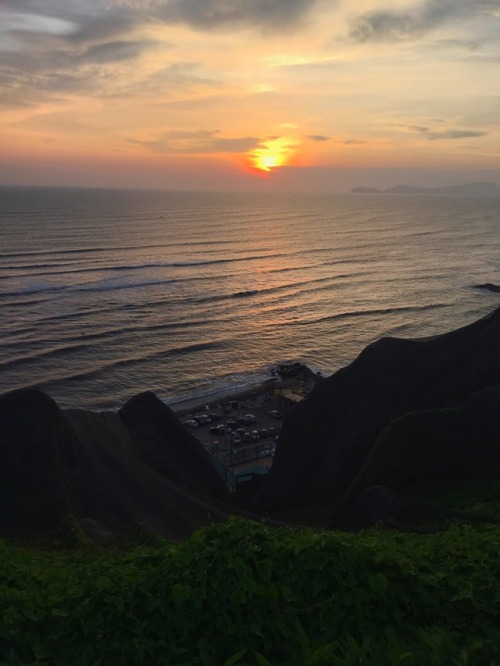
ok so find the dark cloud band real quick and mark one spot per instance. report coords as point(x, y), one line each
point(393, 25)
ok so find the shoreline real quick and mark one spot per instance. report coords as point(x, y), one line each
point(296, 378)
point(219, 398)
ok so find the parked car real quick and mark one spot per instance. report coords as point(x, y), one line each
point(202, 419)
point(247, 419)
point(275, 414)
point(236, 439)
point(264, 433)
point(192, 423)
point(255, 435)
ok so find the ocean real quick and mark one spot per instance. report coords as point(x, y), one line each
point(107, 293)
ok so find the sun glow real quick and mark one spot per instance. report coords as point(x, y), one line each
point(273, 153)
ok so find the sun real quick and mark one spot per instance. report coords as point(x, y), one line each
point(267, 161)
point(273, 153)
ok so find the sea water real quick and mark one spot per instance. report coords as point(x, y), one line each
point(106, 293)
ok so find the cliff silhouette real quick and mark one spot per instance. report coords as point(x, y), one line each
point(327, 438)
point(406, 421)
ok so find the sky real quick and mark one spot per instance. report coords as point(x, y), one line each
point(308, 95)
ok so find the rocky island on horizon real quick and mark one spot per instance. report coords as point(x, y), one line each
point(479, 189)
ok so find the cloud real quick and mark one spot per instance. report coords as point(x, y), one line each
point(44, 56)
point(197, 142)
point(103, 19)
point(468, 45)
point(454, 134)
point(418, 128)
point(48, 47)
point(36, 74)
point(273, 15)
point(105, 27)
point(318, 137)
point(70, 21)
point(389, 25)
point(27, 22)
point(115, 51)
point(446, 134)
point(382, 26)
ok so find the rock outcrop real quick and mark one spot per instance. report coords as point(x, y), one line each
point(36, 447)
point(327, 437)
point(434, 452)
point(488, 286)
point(115, 470)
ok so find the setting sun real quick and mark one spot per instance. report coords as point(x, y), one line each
point(265, 95)
point(273, 153)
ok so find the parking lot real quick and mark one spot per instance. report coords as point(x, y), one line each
point(237, 430)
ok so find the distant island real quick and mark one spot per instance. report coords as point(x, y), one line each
point(480, 189)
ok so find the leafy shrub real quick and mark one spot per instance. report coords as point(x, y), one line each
point(241, 591)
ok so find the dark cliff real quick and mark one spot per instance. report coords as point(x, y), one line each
point(326, 438)
point(117, 471)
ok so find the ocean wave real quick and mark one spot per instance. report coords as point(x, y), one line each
point(367, 313)
point(43, 356)
point(297, 287)
point(34, 289)
point(31, 271)
point(89, 287)
point(125, 285)
point(80, 250)
point(24, 303)
point(105, 368)
point(86, 340)
point(83, 269)
point(244, 293)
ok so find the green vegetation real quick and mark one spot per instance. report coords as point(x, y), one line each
point(416, 454)
point(242, 593)
point(479, 500)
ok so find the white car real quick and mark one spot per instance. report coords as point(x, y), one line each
point(202, 419)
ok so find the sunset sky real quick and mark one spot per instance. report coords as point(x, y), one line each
point(249, 94)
